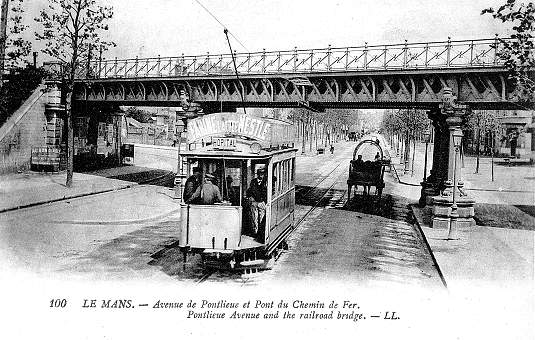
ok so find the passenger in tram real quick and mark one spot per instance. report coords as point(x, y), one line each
point(192, 183)
point(256, 198)
point(230, 193)
point(206, 194)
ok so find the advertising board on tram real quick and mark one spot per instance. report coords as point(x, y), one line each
point(225, 127)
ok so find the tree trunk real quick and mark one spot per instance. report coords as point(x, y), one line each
point(70, 135)
point(477, 149)
point(3, 37)
point(492, 157)
point(316, 134)
point(407, 151)
point(303, 137)
point(413, 154)
point(309, 130)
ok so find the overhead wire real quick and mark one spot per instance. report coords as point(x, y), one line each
point(222, 25)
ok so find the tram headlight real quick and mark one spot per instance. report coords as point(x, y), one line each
point(255, 148)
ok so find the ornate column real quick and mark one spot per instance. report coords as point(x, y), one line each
point(453, 114)
point(434, 183)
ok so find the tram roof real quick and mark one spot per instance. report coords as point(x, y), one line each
point(217, 153)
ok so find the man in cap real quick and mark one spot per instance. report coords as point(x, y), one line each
point(257, 197)
point(207, 193)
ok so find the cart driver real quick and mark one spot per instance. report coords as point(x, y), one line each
point(359, 160)
point(256, 197)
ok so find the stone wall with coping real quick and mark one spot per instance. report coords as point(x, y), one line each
point(25, 129)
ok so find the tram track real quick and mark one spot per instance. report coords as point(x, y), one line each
point(310, 191)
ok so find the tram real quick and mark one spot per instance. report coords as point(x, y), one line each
point(231, 151)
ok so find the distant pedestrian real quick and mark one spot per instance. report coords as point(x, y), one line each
point(332, 149)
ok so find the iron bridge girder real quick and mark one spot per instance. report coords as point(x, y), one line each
point(477, 87)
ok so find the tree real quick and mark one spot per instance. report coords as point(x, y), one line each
point(405, 124)
point(13, 47)
point(483, 122)
point(71, 30)
point(518, 53)
point(141, 116)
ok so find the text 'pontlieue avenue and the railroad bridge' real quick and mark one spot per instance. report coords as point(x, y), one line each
point(256, 309)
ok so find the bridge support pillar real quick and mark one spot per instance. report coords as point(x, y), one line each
point(434, 183)
point(446, 166)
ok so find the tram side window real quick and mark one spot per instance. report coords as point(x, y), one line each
point(274, 191)
point(292, 172)
point(279, 179)
point(231, 185)
point(282, 178)
point(286, 177)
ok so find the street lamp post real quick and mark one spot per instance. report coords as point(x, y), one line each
point(427, 134)
point(422, 201)
point(454, 215)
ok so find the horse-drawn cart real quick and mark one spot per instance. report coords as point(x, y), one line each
point(367, 173)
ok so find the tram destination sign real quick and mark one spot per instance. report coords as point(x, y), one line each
point(233, 124)
point(224, 143)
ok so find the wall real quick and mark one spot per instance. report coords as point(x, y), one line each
point(25, 129)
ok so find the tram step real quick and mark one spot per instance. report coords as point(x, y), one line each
point(220, 251)
point(251, 263)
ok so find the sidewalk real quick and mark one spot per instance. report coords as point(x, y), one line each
point(482, 256)
point(511, 185)
point(33, 188)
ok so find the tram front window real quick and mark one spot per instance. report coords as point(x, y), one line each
point(234, 183)
point(213, 182)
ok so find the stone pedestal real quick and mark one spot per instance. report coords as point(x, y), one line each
point(442, 208)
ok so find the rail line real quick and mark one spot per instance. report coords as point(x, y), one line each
point(208, 274)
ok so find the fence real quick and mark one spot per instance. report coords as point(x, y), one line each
point(429, 55)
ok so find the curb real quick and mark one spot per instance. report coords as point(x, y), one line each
point(422, 235)
point(400, 181)
point(29, 205)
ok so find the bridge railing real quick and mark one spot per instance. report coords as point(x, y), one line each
point(430, 55)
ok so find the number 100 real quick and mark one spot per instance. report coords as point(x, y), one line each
point(58, 303)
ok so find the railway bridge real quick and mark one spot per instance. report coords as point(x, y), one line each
point(446, 78)
point(386, 76)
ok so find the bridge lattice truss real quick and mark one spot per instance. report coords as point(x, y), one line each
point(367, 76)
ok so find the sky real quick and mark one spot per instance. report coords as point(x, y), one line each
point(148, 28)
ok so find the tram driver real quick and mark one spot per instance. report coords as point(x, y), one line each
point(256, 196)
point(192, 183)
